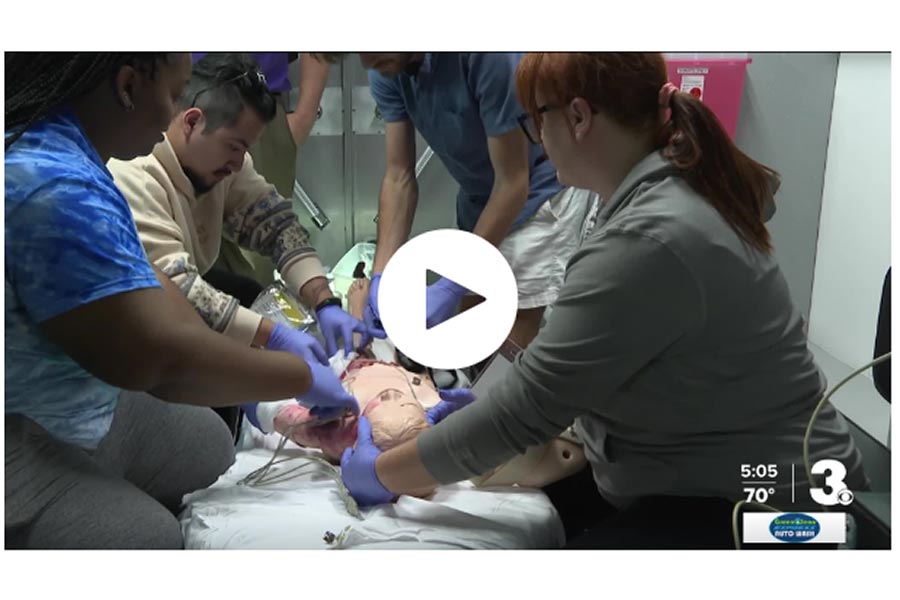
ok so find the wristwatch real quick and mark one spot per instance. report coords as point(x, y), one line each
point(328, 302)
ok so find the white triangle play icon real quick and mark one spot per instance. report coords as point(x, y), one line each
point(465, 338)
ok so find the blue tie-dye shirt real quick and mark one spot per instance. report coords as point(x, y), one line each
point(70, 240)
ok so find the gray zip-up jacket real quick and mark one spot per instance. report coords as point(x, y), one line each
point(676, 349)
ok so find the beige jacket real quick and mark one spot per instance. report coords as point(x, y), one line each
point(182, 232)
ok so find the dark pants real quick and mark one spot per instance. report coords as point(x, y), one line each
point(124, 494)
point(651, 523)
point(245, 290)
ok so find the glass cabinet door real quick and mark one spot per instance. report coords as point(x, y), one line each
point(341, 165)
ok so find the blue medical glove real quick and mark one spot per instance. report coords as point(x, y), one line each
point(326, 397)
point(337, 324)
point(358, 469)
point(441, 298)
point(288, 339)
point(451, 401)
point(370, 312)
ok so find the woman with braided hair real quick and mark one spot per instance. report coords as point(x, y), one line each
point(40, 83)
point(109, 371)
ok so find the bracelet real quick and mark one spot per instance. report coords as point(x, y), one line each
point(328, 302)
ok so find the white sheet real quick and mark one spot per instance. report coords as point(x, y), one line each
point(297, 513)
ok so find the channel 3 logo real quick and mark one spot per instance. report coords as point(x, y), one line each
point(838, 493)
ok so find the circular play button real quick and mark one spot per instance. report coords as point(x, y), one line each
point(466, 338)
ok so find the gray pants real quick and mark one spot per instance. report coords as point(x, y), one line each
point(124, 494)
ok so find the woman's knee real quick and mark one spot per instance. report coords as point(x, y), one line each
point(150, 527)
point(210, 449)
point(155, 529)
point(101, 512)
point(165, 535)
point(219, 441)
point(199, 436)
point(186, 449)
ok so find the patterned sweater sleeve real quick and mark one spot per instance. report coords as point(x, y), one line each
point(258, 219)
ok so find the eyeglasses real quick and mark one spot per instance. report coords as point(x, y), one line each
point(251, 75)
point(532, 131)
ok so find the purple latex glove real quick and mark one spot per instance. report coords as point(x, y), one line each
point(291, 340)
point(441, 298)
point(358, 469)
point(451, 401)
point(326, 397)
point(370, 314)
point(337, 324)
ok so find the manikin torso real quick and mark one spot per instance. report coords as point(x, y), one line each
point(392, 398)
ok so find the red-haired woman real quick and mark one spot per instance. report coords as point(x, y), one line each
point(674, 346)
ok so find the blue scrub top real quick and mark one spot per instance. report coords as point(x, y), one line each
point(456, 101)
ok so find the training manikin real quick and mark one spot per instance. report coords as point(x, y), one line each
point(394, 400)
point(391, 397)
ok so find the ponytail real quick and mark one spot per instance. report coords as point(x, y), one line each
point(738, 187)
point(632, 89)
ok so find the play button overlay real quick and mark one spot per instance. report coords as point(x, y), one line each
point(471, 300)
point(466, 338)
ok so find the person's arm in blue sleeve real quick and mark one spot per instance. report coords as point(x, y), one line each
point(491, 81)
point(75, 263)
point(399, 192)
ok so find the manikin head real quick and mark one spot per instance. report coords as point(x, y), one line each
point(395, 417)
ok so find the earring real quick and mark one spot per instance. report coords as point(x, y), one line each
point(127, 103)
